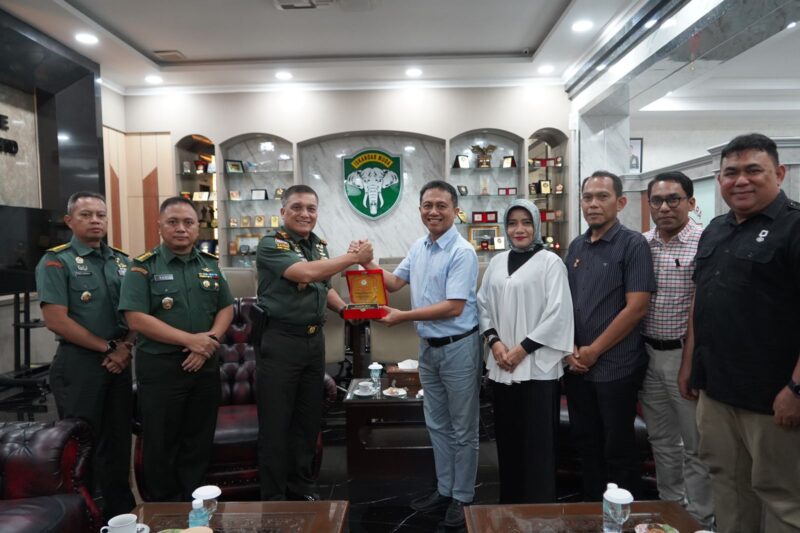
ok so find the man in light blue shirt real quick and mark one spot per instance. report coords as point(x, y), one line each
point(442, 270)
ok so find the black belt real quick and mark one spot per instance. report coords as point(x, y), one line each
point(295, 329)
point(671, 344)
point(438, 342)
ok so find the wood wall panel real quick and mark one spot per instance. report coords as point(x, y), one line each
point(150, 209)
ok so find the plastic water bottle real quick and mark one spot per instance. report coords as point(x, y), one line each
point(616, 508)
point(198, 515)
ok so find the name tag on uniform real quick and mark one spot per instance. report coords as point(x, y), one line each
point(82, 273)
point(163, 277)
point(207, 275)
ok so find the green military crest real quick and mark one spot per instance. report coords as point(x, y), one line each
point(373, 182)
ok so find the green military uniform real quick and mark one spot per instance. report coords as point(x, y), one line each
point(178, 408)
point(87, 282)
point(290, 364)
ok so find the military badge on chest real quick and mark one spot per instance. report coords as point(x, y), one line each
point(321, 250)
point(122, 268)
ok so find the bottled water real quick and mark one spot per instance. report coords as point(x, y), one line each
point(198, 515)
point(616, 508)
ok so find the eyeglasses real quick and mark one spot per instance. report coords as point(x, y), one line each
point(672, 201)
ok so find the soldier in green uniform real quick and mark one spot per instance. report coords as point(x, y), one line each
point(293, 288)
point(177, 299)
point(78, 285)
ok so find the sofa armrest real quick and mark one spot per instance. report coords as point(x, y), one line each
point(41, 459)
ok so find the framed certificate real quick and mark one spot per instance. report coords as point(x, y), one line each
point(233, 222)
point(258, 194)
point(234, 195)
point(200, 196)
point(249, 239)
point(511, 191)
point(278, 193)
point(509, 162)
point(499, 243)
point(502, 191)
point(491, 216)
point(544, 186)
point(246, 221)
point(478, 217)
point(274, 221)
point(533, 188)
point(259, 221)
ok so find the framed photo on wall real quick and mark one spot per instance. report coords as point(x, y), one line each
point(637, 145)
point(258, 194)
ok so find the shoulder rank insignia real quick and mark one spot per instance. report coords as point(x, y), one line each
point(145, 256)
point(323, 242)
point(59, 248)
point(282, 245)
point(56, 264)
point(119, 251)
point(140, 270)
point(284, 235)
point(210, 255)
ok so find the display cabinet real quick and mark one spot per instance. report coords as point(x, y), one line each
point(487, 169)
point(197, 181)
point(547, 185)
point(256, 168)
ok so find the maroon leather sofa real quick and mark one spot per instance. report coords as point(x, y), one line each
point(234, 459)
point(44, 477)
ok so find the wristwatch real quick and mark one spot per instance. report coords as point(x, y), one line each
point(794, 387)
point(111, 347)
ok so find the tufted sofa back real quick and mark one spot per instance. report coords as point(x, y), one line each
point(237, 357)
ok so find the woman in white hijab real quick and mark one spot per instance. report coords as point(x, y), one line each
point(525, 314)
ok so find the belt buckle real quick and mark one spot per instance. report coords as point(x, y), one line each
point(310, 330)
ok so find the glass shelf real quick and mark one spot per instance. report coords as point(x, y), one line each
point(229, 201)
point(280, 172)
point(490, 196)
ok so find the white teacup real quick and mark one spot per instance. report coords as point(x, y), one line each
point(122, 523)
point(365, 387)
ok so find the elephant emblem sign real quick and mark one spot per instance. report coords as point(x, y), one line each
point(372, 182)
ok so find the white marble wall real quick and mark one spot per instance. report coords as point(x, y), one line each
point(338, 222)
point(19, 173)
point(604, 145)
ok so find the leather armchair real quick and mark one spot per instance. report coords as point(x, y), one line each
point(44, 477)
point(234, 459)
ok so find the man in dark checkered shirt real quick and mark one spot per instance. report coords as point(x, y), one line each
point(611, 278)
point(671, 421)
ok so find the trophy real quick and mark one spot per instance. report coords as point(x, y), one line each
point(484, 154)
point(367, 294)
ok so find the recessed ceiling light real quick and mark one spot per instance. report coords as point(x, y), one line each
point(791, 25)
point(650, 23)
point(63, 137)
point(582, 26)
point(600, 67)
point(410, 148)
point(152, 79)
point(86, 38)
point(413, 72)
point(546, 69)
point(284, 75)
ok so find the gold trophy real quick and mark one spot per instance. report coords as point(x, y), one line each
point(484, 154)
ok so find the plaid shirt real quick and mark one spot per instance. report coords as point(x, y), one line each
point(674, 266)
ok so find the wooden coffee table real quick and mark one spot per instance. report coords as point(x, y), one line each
point(571, 517)
point(252, 517)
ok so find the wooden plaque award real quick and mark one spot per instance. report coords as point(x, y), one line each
point(367, 295)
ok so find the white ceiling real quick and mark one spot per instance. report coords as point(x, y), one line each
point(763, 79)
point(235, 45)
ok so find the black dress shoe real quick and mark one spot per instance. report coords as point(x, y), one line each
point(432, 501)
point(454, 517)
